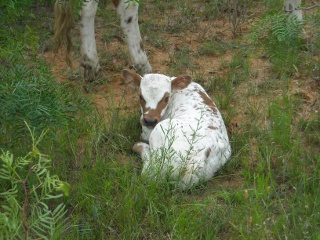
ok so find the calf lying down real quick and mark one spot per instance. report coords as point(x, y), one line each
point(184, 136)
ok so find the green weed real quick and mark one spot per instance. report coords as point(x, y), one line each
point(211, 49)
point(281, 119)
point(30, 94)
point(280, 36)
point(29, 193)
point(181, 61)
point(310, 130)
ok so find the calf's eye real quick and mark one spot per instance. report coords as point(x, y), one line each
point(141, 98)
point(166, 99)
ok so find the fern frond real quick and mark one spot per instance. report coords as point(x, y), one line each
point(11, 192)
point(10, 217)
point(279, 35)
point(34, 219)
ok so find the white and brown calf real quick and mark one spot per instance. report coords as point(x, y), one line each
point(186, 137)
point(128, 13)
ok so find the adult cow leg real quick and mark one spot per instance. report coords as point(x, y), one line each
point(292, 6)
point(90, 60)
point(128, 13)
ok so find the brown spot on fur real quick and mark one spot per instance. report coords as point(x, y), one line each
point(143, 102)
point(208, 151)
point(181, 82)
point(155, 113)
point(116, 2)
point(212, 127)
point(208, 101)
point(132, 77)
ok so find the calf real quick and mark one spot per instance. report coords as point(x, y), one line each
point(183, 133)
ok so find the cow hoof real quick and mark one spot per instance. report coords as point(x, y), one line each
point(89, 68)
point(89, 74)
point(139, 147)
point(142, 68)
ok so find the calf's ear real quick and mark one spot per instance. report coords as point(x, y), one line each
point(131, 77)
point(181, 82)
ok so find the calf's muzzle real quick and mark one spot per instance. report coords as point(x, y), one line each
point(150, 122)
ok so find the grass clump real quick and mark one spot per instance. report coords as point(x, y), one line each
point(211, 49)
point(181, 61)
point(280, 37)
point(281, 117)
point(30, 94)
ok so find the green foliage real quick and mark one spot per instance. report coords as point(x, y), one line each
point(155, 39)
point(181, 61)
point(29, 195)
point(311, 130)
point(18, 23)
point(273, 6)
point(211, 49)
point(281, 117)
point(29, 93)
point(239, 68)
point(122, 128)
point(280, 36)
point(14, 9)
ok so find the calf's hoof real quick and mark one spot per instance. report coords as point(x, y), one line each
point(139, 147)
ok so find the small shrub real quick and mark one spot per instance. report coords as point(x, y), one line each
point(237, 13)
point(29, 93)
point(28, 197)
point(280, 37)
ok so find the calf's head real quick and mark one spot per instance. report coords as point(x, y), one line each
point(154, 93)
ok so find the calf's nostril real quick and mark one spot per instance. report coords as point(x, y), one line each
point(150, 121)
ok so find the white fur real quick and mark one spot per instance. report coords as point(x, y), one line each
point(153, 89)
point(190, 143)
point(294, 9)
point(132, 34)
point(88, 41)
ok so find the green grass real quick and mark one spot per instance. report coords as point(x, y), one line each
point(211, 49)
point(181, 61)
point(268, 190)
